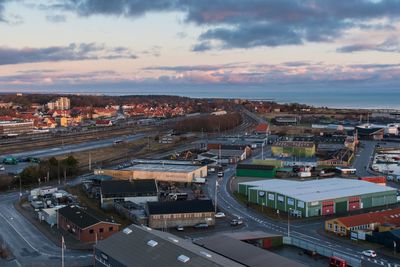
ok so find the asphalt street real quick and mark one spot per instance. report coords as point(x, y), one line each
point(29, 246)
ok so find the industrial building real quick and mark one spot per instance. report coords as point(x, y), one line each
point(180, 213)
point(255, 170)
point(138, 192)
point(293, 148)
point(317, 197)
point(143, 246)
point(368, 132)
point(84, 225)
point(165, 172)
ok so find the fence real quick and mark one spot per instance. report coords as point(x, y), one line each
point(322, 250)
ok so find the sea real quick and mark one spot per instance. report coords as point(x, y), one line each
point(357, 98)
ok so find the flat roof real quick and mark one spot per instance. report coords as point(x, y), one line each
point(319, 190)
point(248, 235)
point(131, 248)
point(163, 167)
point(245, 253)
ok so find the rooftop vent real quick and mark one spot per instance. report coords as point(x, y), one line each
point(127, 231)
point(208, 255)
point(183, 258)
point(152, 243)
point(173, 239)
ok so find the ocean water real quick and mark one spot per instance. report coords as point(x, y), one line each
point(334, 97)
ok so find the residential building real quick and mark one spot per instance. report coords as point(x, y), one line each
point(84, 225)
point(180, 213)
point(317, 197)
point(136, 191)
point(62, 103)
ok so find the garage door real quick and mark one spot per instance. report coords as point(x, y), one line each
point(341, 207)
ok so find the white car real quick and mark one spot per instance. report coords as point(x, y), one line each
point(369, 253)
point(2, 168)
point(179, 228)
point(219, 215)
point(220, 174)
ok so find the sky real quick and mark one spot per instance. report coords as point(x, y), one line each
point(156, 45)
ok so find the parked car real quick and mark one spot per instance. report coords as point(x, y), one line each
point(179, 228)
point(236, 222)
point(201, 225)
point(2, 168)
point(220, 215)
point(220, 174)
point(389, 178)
point(369, 253)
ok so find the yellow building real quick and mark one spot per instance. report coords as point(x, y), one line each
point(180, 173)
point(293, 148)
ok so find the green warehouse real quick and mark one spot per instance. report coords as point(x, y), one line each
point(317, 197)
point(253, 170)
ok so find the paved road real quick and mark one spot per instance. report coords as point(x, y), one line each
point(363, 158)
point(29, 245)
point(302, 230)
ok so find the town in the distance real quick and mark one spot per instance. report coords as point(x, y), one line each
point(155, 180)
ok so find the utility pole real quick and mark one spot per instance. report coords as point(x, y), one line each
point(288, 222)
point(65, 175)
point(58, 172)
point(90, 161)
point(215, 197)
point(20, 187)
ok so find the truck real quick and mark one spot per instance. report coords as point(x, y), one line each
point(304, 174)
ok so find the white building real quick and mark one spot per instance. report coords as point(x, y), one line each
point(62, 103)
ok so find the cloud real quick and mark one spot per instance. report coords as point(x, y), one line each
point(56, 18)
point(254, 23)
point(391, 44)
point(72, 52)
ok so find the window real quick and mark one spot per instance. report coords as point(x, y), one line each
point(110, 229)
point(300, 204)
point(101, 230)
point(91, 231)
point(271, 196)
point(329, 226)
point(280, 198)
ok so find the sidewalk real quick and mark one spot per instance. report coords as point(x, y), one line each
point(380, 249)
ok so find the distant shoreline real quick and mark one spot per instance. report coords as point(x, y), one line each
point(333, 105)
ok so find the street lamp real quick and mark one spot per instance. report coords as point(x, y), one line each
point(288, 222)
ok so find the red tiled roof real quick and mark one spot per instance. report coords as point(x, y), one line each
point(388, 216)
point(262, 127)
